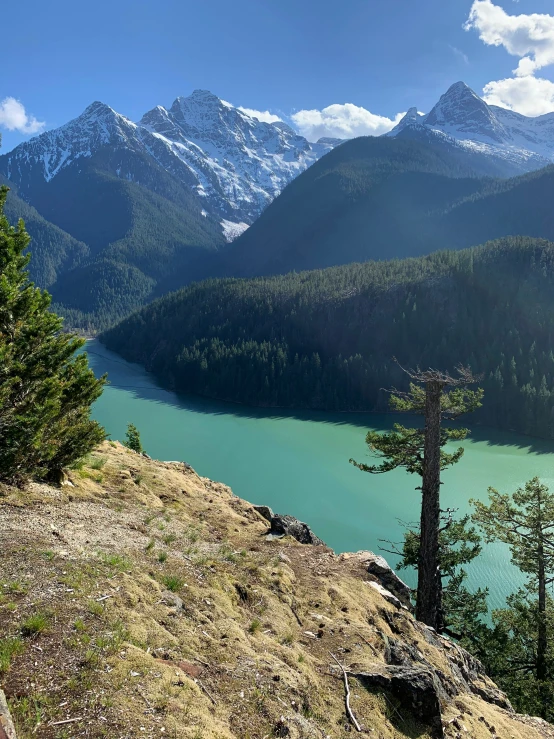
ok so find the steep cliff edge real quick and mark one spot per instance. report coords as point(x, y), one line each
point(141, 600)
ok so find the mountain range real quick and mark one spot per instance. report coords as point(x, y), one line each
point(233, 163)
point(122, 212)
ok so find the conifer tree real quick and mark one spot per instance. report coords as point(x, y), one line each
point(420, 451)
point(132, 438)
point(525, 522)
point(46, 391)
point(459, 544)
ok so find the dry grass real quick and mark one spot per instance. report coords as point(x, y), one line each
point(133, 603)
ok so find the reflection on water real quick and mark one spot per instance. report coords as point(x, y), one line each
point(297, 462)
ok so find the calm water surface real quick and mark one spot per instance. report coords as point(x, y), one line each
point(297, 463)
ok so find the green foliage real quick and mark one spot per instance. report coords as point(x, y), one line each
point(523, 521)
point(10, 647)
point(459, 544)
point(377, 198)
point(53, 250)
point(522, 648)
point(173, 583)
point(403, 447)
point(324, 339)
point(35, 624)
point(100, 269)
point(132, 439)
point(45, 390)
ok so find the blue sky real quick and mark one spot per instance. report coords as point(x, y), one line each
point(287, 57)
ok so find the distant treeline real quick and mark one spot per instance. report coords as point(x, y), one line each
point(325, 339)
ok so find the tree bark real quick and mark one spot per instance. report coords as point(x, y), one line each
point(542, 640)
point(429, 587)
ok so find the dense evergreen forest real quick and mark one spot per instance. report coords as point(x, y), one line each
point(53, 250)
point(325, 339)
point(374, 198)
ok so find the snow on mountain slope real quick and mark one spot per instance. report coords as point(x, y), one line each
point(234, 163)
point(461, 115)
point(241, 163)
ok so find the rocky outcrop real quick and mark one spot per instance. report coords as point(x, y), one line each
point(416, 687)
point(264, 511)
point(380, 568)
point(383, 575)
point(287, 526)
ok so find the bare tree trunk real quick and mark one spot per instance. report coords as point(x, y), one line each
point(429, 586)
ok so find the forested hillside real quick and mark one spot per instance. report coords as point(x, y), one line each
point(325, 339)
point(53, 249)
point(137, 239)
point(374, 198)
point(127, 231)
point(125, 238)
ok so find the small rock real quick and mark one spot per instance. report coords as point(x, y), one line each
point(172, 599)
point(380, 568)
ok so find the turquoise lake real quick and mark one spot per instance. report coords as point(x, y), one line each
point(297, 463)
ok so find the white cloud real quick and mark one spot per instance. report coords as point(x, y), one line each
point(262, 115)
point(342, 121)
point(530, 37)
point(528, 95)
point(14, 118)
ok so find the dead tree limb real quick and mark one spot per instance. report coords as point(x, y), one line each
point(349, 712)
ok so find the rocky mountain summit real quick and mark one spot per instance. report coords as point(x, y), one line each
point(462, 117)
point(234, 163)
point(152, 600)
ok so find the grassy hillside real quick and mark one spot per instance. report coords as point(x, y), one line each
point(150, 601)
point(325, 339)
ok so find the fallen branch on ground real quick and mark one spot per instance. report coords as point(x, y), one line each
point(347, 695)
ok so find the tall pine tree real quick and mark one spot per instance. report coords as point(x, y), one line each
point(437, 396)
point(45, 389)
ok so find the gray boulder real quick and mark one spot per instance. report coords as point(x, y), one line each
point(416, 688)
point(290, 526)
point(380, 569)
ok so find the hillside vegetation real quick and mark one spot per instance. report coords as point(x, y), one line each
point(325, 339)
point(149, 600)
point(375, 198)
point(126, 237)
point(53, 250)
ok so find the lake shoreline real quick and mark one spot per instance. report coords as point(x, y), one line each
point(304, 409)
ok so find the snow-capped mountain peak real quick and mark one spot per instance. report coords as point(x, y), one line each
point(233, 162)
point(240, 163)
point(523, 143)
point(462, 111)
point(46, 155)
